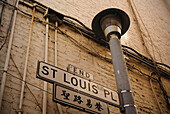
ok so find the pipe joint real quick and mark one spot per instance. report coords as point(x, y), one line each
point(20, 111)
point(112, 29)
point(129, 105)
point(35, 4)
point(127, 91)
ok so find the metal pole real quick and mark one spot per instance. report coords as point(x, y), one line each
point(121, 74)
point(56, 32)
point(26, 64)
point(3, 81)
point(46, 60)
point(111, 24)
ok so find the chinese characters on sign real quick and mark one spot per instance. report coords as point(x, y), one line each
point(66, 95)
point(76, 100)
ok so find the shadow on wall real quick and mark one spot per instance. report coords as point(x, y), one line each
point(168, 4)
point(168, 1)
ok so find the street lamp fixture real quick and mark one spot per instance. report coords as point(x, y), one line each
point(110, 21)
point(109, 25)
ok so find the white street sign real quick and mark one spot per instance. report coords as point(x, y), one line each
point(63, 78)
point(73, 99)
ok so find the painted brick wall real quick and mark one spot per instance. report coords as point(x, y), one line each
point(153, 17)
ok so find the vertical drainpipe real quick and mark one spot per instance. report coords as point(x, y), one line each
point(55, 52)
point(26, 64)
point(56, 24)
point(7, 56)
point(46, 60)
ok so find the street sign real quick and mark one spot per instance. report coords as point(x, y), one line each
point(80, 72)
point(73, 99)
point(65, 79)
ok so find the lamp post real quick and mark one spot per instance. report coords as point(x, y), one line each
point(110, 25)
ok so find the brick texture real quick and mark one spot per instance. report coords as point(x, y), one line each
point(153, 17)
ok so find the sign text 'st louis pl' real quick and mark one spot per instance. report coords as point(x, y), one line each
point(63, 78)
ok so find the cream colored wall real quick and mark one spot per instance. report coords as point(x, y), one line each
point(153, 18)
